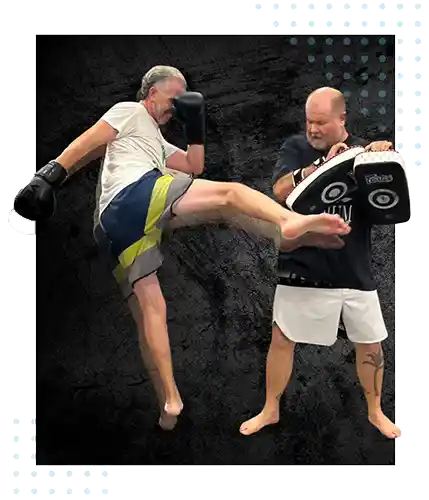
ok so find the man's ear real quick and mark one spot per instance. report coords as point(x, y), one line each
point(151, 92)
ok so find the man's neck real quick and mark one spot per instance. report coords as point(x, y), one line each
point(148, 111)
point(344, 136)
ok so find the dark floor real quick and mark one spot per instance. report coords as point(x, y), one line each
point(94, 402)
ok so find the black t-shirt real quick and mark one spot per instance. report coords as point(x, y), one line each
point(349, 267)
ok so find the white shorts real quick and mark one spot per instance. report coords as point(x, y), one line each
point(311, 315)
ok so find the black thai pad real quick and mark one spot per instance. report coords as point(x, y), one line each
point(331, 182)
point(382, 187)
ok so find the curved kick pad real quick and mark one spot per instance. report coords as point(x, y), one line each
point(382, 187)
point(328, 184)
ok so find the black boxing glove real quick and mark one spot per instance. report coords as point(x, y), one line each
point(189, 110)
point(37, 200)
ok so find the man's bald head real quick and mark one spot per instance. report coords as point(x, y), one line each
point(329, 98)
point(325, 111)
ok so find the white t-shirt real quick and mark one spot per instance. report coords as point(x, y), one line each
point(138, 148)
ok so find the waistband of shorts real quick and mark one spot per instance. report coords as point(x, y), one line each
point(293, 279)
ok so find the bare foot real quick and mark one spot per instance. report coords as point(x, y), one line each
point(318, 223)
point(255, 424)
point(168, 418)
point(384, 425)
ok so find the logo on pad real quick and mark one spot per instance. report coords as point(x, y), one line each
point(378, 179)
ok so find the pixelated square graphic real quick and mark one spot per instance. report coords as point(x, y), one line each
point(403, 19)
point(20, 449)
point(27, 479)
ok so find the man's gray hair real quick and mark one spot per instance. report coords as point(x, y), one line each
point(156, 75)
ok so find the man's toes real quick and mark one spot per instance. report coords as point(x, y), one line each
point(396, 432)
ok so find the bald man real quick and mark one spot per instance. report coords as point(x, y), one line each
point(323, 279)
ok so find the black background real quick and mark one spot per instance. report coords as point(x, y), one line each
point(94, 401)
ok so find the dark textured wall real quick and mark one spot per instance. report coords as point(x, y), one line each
point(94, 401)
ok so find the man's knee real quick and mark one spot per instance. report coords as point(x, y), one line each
point(375, 347)
point(229, 192)
point(280, 339)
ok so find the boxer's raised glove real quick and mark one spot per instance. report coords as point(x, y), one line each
point(37, 200)
point(189, 110)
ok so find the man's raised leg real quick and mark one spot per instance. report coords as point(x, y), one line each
point(154, 313)
point(278, 373)
point(206, 195)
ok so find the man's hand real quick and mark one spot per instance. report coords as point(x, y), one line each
point(37, 200)
point(189, 110)
point(379, 146)
point(336, 148)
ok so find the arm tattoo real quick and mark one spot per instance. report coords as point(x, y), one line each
point(377, 361)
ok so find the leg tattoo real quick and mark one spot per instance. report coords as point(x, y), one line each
point(377, 361)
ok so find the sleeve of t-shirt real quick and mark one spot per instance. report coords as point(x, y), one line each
point(169, 148)
point(287, 160)
point(120, 117)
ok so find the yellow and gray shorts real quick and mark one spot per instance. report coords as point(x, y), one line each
point(131, 226)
